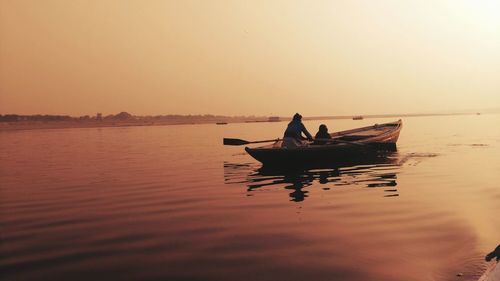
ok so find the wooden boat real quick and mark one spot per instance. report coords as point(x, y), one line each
point(358, 142)
point(359, 117)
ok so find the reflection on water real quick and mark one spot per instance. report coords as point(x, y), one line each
point(369, 172)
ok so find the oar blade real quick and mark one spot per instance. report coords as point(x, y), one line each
point(228, 141)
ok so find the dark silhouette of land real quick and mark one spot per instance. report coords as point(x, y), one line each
point(494, 254)
point(26, 122)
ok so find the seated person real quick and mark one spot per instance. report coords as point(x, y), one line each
point(293, 135)
point(322, 134)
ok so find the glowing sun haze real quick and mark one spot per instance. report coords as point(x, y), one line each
point(248, 57)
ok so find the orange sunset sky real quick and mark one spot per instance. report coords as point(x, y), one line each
point(248, 57)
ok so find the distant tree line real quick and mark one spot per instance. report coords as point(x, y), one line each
point(122, 116)
point(38, 117)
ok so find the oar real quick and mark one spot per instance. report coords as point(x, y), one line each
point(228, 141)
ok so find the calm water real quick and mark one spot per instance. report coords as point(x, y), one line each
point(173, 203)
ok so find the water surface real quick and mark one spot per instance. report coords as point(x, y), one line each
point(172, 203)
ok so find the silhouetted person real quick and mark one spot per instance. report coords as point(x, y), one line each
point(495, 253)
point(322, 134)
point(293, 133)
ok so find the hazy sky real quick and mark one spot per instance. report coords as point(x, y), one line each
point(248, 57)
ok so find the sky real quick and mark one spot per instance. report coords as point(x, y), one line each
point(257, 57)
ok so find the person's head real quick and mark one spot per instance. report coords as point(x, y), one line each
point(323, 128)
point(297, 117)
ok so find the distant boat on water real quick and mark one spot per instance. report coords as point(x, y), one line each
point(221, 123)
point(359, 117)
point(274, 119)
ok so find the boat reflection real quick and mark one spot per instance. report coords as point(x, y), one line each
point(377, 172)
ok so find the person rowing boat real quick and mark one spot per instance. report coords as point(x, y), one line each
point(293, 134)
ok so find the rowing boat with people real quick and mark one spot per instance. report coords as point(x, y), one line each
point(349, 143)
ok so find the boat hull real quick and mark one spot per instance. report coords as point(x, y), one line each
point(311, 157)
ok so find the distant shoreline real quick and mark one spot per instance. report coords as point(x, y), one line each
point(41, 125)
point(369, 116)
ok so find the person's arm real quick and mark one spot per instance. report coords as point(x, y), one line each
point(308, 135)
